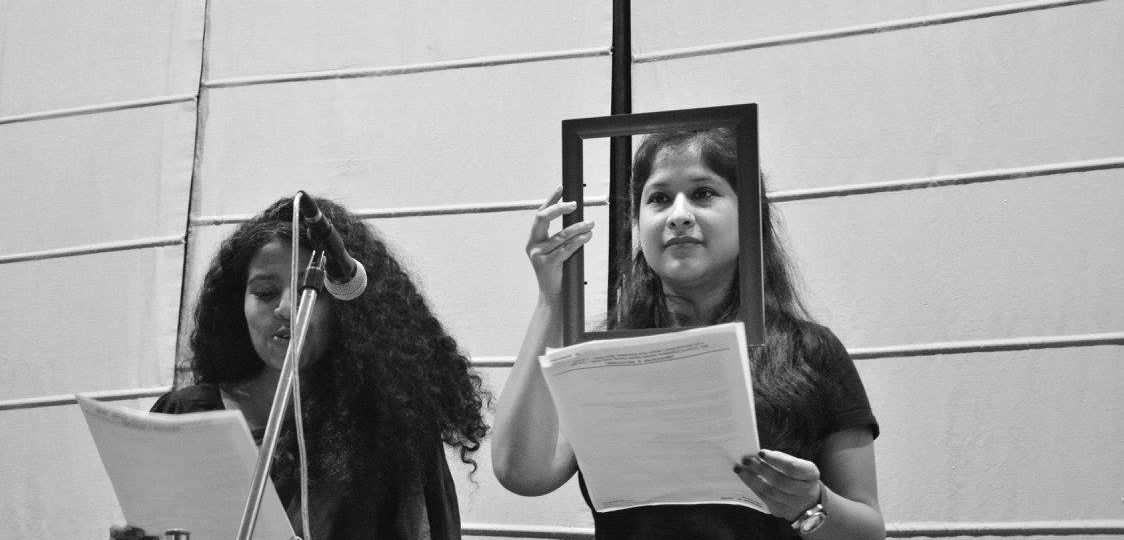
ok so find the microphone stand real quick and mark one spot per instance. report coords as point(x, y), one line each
point(311, 285)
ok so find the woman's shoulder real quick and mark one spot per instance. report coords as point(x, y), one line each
point(194, 398)
point(848, 403)
point(818, 342)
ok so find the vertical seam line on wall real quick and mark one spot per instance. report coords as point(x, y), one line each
point(851, 31)
point(192, 189)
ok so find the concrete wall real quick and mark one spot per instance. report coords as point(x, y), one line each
point(950, 175)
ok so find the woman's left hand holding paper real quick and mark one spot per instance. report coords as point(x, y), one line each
point(788, 485)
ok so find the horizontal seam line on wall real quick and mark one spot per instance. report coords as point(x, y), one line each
point(408, 69)
point(1015, 173)
point(959, 347)
point(90, 249)
point(1000, 528)
point(850, 31)
point(990, 345)
point(893, 530)
point(414, 211)
point(100, 108)
point(929, 349)
point(68, 399)
point(870, 352)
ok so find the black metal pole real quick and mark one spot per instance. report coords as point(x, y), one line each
point(620, 148)
point(313, 283)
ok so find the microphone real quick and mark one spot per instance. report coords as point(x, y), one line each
point(347, 279)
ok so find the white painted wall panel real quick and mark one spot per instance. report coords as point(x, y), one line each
point(203, 243)
point(474, 272)
point(95, 322)
point(57, 54)
point(96, 178)
point(1017, 90)
point(1011, 436)
point(1030, 257)
point(259, 37)
point(103, 321)
point(487, 501)
point(54, 483)
point(660, 25)
point(449, 137)
point(487, 297)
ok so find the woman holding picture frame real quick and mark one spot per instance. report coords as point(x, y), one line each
point(816, 473)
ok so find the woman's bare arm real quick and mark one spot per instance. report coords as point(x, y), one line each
point(529, 454)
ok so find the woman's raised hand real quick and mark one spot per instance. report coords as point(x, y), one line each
point(788, 485)
point(547, 252)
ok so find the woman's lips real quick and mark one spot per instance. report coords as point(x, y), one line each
point(680, 240)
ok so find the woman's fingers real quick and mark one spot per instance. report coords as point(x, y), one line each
point(787, 484)
point(775, 500)
point(558, 248)
point(791, 466)
point(778, 481)
point(547, 252)
point(565, 235)
point(553, 198)
point(548, 211)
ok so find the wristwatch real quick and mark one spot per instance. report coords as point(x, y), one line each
point(810, 520)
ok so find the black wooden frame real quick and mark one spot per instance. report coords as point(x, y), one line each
point(743, 118)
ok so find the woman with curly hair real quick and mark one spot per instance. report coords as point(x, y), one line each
point(383, 385)
point(816, 473)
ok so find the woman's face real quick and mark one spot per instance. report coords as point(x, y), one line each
point(688, 222)
point(266, 305)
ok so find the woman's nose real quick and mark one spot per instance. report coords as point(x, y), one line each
point(680, 218)
point(282, 309)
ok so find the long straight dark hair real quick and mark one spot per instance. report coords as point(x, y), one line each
point(789, 391)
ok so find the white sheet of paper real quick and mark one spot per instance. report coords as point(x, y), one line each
point(183, 471)
point(658, 419)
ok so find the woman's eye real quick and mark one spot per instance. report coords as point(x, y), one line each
point(705, 193)
point(265, 295)
point(657, 198)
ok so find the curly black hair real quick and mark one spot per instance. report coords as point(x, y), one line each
point(393, 385)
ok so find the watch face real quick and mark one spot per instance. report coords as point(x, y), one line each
point(812, 522)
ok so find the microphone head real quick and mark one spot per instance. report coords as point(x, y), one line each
point(352, 288)
point(308, 208)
